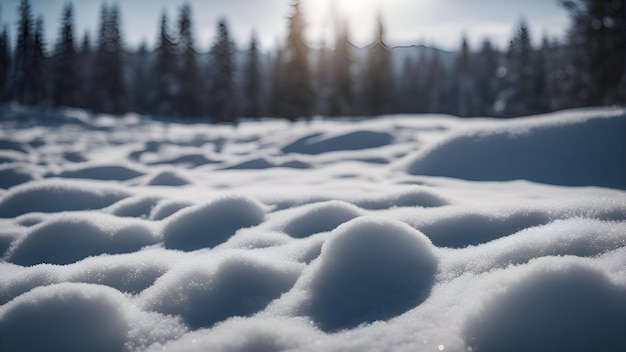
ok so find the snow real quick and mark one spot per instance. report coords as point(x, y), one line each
point(396, 233)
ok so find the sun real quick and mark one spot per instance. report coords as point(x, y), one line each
point(361, 16)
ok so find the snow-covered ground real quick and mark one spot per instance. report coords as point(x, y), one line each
point(403, 233)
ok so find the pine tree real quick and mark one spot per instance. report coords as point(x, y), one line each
point(21, 82)
point(140, 84)
point(5, 63)
point(64, 63)
point(85, 74)
point(520, 95)
point(408, 87)
point(38, 67)
point(463, 86)
point(252, 87)
point(486, 80)
point(223, 80)
point(276, 106)
point(597, 51)
point(298, 94)
point(378, 76)
point(188, 102)
point(341, 102)
point(111, 96)
point(435, 80)
point(323, 81)
point(164, 72)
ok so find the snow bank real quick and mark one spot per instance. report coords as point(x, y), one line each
point(370, 269)
point(209, 224)
point(312, 236)
point(565, 307)
point(319, 143)
point(69, 238)
point(80, 317)
point(575, 148)
point(57, 195)
point(204, 293)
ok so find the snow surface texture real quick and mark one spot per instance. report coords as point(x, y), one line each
point(404, 233)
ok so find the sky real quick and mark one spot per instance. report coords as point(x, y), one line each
point(439, 23)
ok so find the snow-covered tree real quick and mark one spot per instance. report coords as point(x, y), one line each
point(64, 62)
point(298, 94)
point(224, 107)
point(378, 77)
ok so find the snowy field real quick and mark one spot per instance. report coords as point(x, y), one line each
point(405, 233)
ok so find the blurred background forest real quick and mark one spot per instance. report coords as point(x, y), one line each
point(299, 79)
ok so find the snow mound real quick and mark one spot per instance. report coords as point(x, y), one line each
point(67, 239)
point(206, 293)
point(563, 307)
point(97, 318)
point(168, 178)
point(209, 224)
point(370, 269)
point(168, 207)
point(319, 217)
point(576, 148)
point(412, 197)
point(318, 143)
point(137, 207)
point(101, 172)
point(51, 196)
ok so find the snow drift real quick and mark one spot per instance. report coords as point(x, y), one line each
point(130, 234)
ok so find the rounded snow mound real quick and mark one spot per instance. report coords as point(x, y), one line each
point(571, 148)
point(320, 217)
point(566, 307)
point(206, 293)
point(80, 317)
point(135, 207)
point(168, 207)
point(352, 140)
point(44, 318)
point(50, 196)
point(168, 178)
point(101, 172)
point(209, 224)
point(68, 239)
point(370, 269)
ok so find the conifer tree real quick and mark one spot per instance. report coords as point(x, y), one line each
point(222, 80)
point(463, 89)
point(276, 106)
point(5, 63)
point(38, 67)
point(22, 78)
point(252, 86)
point(164, 72)
point(378, 76)
point(64, 62)
point(342, 92)
point(111, 95)
point(188, 102)
point(298, 94)
point(597, 50)
point(486, 80)
point(520, 72)
point(85, 74)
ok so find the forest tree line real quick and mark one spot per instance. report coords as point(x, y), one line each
point(587, 68)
